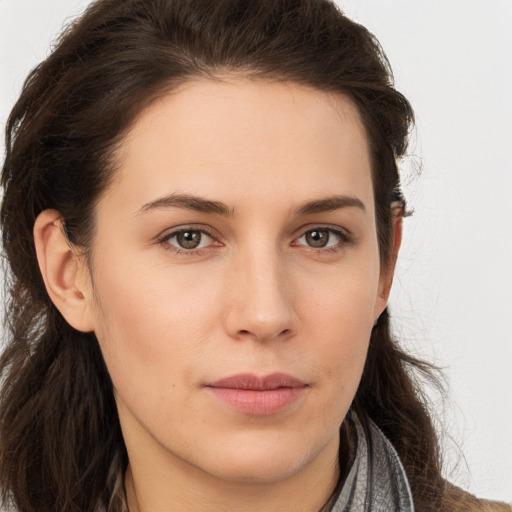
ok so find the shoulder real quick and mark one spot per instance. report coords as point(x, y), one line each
point(457, 500)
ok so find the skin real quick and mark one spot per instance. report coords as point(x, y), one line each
point(255, 297)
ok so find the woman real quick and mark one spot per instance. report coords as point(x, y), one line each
point(202, 215)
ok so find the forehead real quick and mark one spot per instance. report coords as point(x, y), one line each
point(235, 138)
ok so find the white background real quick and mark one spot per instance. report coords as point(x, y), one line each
point(452, 300)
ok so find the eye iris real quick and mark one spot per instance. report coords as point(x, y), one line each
point(189, 239)
point(317, 238)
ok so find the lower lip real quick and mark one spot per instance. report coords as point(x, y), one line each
point(258, 402)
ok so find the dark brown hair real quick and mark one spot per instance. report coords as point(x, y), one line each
point(61, 446)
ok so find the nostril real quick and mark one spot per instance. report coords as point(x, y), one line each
point(262, 336)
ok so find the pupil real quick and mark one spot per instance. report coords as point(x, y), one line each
point(189, 239)
point(317, 238)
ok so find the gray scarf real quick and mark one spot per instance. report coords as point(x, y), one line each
point(376, 481)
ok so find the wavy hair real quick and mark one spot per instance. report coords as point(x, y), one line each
point(61, 446)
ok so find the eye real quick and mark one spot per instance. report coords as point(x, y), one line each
point(322, 238)
point(188, 239)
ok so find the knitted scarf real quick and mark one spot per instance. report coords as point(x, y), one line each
point(376, 481)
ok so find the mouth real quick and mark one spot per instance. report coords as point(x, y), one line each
point(255, 395)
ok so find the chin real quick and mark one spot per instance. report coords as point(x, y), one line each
point(258, 470)
point(263, 460)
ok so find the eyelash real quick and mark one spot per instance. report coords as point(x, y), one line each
point(343, 237)
point(165, 240)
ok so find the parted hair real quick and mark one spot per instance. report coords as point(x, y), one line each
point(61, 446)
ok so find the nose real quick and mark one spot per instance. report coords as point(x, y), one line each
point(261, 299)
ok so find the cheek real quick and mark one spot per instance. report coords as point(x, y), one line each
point(342, 301)
point(151, 327)
point(339, 320)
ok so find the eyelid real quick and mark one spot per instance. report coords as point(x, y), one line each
point(342, 233)
point(183, 227)
point(171, 232)
point(331, 227)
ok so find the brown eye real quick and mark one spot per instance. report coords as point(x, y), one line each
point(188, 239)
point(317, 238)
point(322, 238)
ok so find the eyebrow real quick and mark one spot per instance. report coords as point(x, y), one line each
point(199, 204)
point(188, 202)
point(329, 204)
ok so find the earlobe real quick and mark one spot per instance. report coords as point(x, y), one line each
point(63, 270)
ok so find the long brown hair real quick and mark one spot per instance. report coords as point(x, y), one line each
point(61, 446)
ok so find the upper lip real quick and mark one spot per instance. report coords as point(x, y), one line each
point(257, 383)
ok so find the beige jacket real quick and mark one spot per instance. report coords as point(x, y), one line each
point(456, 500)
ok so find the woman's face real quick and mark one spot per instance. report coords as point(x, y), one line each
point(236, 277)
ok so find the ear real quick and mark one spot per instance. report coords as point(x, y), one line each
point(388, 269)
point(64, 271)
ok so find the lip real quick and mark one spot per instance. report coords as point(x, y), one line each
point(255, 395)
